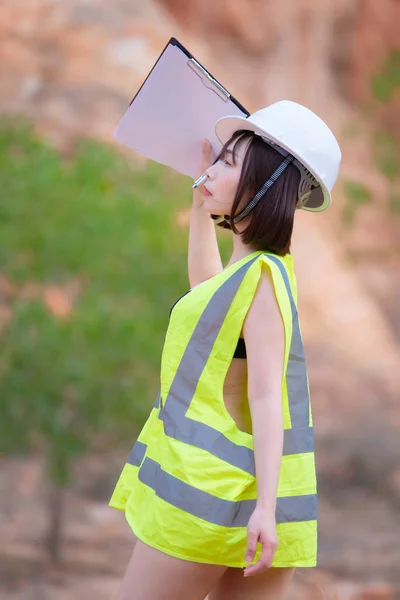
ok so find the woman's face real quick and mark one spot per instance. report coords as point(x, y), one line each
point(223, 179)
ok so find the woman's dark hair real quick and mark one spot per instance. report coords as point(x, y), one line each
point(271, 220)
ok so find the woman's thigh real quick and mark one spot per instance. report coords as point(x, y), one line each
point(153, 575)
point(272, 584)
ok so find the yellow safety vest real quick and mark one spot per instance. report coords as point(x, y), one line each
point(189, 486)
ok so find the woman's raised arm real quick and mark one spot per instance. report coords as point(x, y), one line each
point(204, 259)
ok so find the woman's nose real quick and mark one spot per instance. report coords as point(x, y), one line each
point(210, 173)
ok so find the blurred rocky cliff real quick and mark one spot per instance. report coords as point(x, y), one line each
point(73, 67)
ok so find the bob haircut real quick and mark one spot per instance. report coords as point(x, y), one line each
point(271, 220)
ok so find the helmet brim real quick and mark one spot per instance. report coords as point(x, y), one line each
point(320, 197)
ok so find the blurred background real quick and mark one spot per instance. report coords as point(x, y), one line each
point(93, 246)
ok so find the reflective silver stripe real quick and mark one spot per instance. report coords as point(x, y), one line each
point(215, 510)
point(200, 435)
point(293, 509)
point(177, 425)
point(180, 427)
point(296, 373)
point(200, 345)
point(297, 441)
point(137, 453)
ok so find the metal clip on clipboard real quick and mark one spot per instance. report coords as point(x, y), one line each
point(208, 81)
point(175, 142)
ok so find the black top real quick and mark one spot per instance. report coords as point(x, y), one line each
point(240, 351)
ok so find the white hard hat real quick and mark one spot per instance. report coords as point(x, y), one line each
point(293, 129)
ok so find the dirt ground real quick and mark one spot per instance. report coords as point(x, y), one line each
point(359, 548)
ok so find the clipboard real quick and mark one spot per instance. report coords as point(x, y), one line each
point(175, 108)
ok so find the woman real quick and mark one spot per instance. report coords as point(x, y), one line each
point(222, 476)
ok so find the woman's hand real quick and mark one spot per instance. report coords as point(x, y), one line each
point(261, 528)
point(204, 259)
point(207, 159)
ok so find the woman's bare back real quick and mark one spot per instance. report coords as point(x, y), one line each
point(235, 394)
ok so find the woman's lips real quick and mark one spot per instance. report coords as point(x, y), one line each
point(206, 192)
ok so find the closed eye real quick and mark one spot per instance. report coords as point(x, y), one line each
point(223, 159)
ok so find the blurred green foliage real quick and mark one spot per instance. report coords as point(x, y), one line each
point(94, 220)
point(386, 154)
point(385, 146)
point(385, 83)
point(357, 195)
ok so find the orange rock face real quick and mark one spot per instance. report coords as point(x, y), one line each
point(376, 32)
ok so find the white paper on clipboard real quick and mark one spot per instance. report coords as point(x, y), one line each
point(174, 110)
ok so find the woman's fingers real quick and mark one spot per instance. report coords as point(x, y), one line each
point(207, 156)
point(261, 528)
point(252, 538)
point(206, 147)
point(263, 563)
point(268, 548)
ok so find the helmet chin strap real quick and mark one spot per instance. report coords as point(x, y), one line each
point(307, 183)
point(264, 188)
